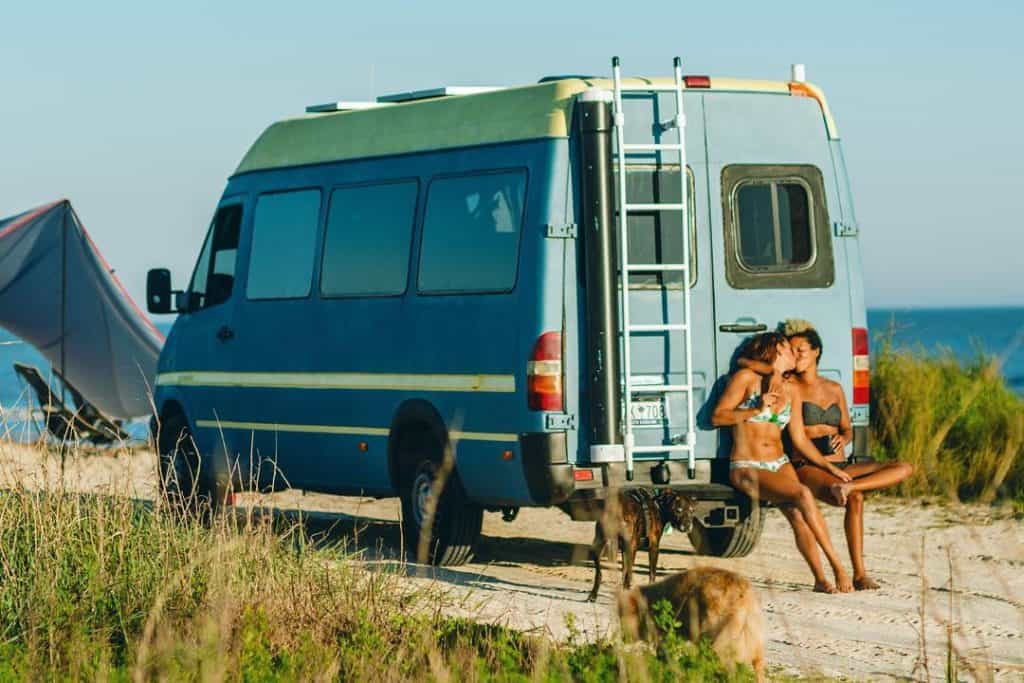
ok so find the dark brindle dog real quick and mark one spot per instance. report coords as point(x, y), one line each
point(633, 516)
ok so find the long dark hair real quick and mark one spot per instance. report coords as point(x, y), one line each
point(763, 347)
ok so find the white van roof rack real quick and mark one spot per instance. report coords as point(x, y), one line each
point(430, 93)
point(344, 105)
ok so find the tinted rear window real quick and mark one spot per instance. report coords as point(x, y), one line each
point(657, 236)
point(774, 225)
point(471, 233)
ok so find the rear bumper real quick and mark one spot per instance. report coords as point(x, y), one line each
point(552, 480)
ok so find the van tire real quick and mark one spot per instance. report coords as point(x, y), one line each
point(457, 521)
point(736, 541)
point(186, 487)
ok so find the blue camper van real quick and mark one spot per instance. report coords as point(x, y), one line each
point(531, 291)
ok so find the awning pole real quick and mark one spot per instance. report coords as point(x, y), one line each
point(63, 301)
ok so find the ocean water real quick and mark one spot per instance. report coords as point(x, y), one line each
point(962, 331)
point(965, 332)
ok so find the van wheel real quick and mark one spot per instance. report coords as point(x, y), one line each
point(456, 522)
point(737, 541)
point(186, 487)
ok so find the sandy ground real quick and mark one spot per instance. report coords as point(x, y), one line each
point(957, 569)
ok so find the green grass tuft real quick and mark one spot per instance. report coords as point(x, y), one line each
point(957, 422)
point(107, 588)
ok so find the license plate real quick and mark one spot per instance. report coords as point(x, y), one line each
point(649, 412)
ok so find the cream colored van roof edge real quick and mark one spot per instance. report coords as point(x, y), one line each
point(530, 112)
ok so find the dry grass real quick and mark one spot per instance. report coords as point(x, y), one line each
point(958, 423)
point(110, 588)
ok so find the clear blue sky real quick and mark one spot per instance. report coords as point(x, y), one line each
point(138, 113)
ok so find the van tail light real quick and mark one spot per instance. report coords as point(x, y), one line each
point(544, 373)
point(861, 367)
point(697, 81)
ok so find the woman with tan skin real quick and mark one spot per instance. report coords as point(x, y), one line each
point(758, 409)
point(827, 425)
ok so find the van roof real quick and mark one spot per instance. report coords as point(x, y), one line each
point(529, 112)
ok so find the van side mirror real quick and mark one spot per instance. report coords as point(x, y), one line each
point(158, 290)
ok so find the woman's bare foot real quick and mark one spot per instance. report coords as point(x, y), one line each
point(865, 583)
point(843, 583)
point(823, 586)
point(840, 492)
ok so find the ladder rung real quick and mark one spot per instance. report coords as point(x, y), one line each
point(654, 207)
point(661, 449)
point(657, 327)
point(659, 267)
point(652, 147)
point(659, 388)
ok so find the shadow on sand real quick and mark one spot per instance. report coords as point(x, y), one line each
point(378, 542)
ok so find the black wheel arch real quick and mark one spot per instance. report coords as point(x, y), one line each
point(416, 423)
point(170, 409)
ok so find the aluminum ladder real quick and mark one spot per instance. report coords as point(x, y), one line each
point(679, 331)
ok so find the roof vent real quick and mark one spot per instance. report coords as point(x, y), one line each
point(431, 93)
point(343, 106)
point(798, 73)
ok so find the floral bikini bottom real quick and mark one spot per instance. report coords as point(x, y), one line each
point(767, 465)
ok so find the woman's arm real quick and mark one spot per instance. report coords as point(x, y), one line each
point(727, 410)
point(802, 444)
point(845, 427)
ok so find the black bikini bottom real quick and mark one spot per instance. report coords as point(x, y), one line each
point(801, 462)
point(823, 444)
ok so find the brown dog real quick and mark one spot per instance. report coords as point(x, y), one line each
point(716, 603)
point(633, 516)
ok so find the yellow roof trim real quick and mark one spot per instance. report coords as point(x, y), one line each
point(514, 114)
point(801, 89)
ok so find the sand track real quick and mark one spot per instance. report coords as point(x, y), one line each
point(532, 574)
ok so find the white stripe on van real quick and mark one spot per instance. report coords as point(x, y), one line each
point(503, 384)
point(338, 429)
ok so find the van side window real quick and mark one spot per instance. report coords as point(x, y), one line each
point(283, 242)
point(657, 236)
point(214, 277)
point(777, 231)
point(369, 231)
point(471, 233)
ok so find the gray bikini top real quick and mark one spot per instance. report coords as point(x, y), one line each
point(816, 415)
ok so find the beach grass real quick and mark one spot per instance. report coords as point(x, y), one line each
point(110, 588)
point(957, 422)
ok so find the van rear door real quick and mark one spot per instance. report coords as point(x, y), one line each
point(657, 298)
point(772, 187)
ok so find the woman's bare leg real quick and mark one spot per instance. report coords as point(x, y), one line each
point(808, 547)
point(872, 476)
point(783, 487)
point(822, 485)
point(854, 524)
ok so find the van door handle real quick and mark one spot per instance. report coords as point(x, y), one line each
point(225, 333)
point(743, 327)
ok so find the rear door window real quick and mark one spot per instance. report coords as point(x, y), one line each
point(283, 243)
point(471, 233)
point(777, 231)
point(657, 236)
point(774, 225)
point(366, 248)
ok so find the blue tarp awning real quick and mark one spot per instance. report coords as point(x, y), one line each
point(59, 294)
